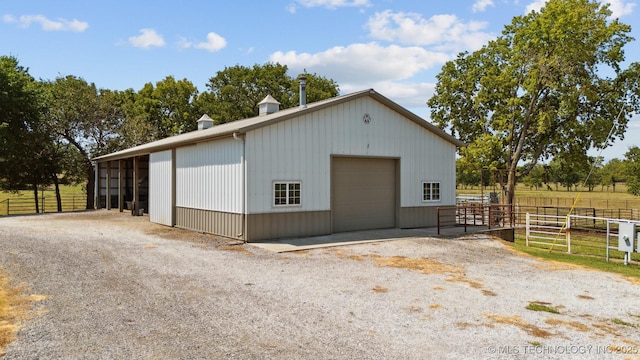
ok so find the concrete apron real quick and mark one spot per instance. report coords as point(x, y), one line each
point(354, 237)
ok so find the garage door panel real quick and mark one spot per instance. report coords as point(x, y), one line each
point(364, 194)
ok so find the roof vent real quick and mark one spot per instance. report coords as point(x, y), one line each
point(205, 122)
point(303, 91)
point(268, 105)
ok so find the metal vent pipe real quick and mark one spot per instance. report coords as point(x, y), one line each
point(303, 91)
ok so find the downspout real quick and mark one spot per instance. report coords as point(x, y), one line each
point(243, 235)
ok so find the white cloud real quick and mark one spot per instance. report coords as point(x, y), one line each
point(147, 39)
point(619, 8)
point(363, 64)
point(214, 43)
point(332, 4)
point(535, 6)
point(184, 43)
point(47, 24)
point(444, 32)
point(329, 4)
point(481, 5)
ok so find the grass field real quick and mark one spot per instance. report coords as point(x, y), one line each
point(599, 198)
point(49, 192)
point(587, 251)
point(22, 202)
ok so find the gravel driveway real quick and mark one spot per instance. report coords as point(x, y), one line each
point(117, 286)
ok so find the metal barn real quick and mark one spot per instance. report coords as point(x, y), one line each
point(353, 162)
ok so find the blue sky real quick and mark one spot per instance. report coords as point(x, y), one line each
point(394, 46)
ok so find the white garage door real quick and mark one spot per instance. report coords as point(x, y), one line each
point(363, 193)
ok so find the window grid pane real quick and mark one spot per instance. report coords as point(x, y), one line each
point(294, 194)
point(426, 191)
point(287, 193)
point(430, 191)
point(280, 195)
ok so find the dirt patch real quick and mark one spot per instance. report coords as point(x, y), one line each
point(346, 254)
point(14, 309)
point(423, 265)
point(518, 322)
point(236, 248)
point(380, 289)
point(427, 266)
point(572, 324)
point(585, 297)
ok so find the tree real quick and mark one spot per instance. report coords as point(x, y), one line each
point(84, 117)
point(632, 160)
point(234, 93)
point(466, 175)
point(535, 177)
point(138, 124)
point(594, 174)
point(24, 144)
point(613, 172)
point(156, 112)
point(552, 83)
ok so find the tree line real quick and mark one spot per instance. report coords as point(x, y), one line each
point(559, 174)
point(51, 129)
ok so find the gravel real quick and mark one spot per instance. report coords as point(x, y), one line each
point(117, 286)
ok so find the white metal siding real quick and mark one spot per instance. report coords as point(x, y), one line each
point(300, 149)
point(160, 188)
point(209, 176)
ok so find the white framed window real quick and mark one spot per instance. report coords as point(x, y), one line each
point(287, 193)
point(430, 191)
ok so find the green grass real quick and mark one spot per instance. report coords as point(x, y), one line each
point(622, 322)
point(22, 202)
point(65, 190)
point(541, 307)
point(582, 257)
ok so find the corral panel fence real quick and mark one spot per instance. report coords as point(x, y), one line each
point(569, 234)
point(629, 209)
point(474, 215)
point(598, 203)
point(24, 205)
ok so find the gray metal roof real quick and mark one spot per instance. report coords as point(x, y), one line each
point(245, 125)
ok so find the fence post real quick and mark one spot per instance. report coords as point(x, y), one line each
point(608, 230)
point(43, 204)
point(527, 229)
point(568, 231)
point(465, 219)
point(7, 206)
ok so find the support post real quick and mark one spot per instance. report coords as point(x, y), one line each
point(136, 187)
point(120, 185)
point(108, 187)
